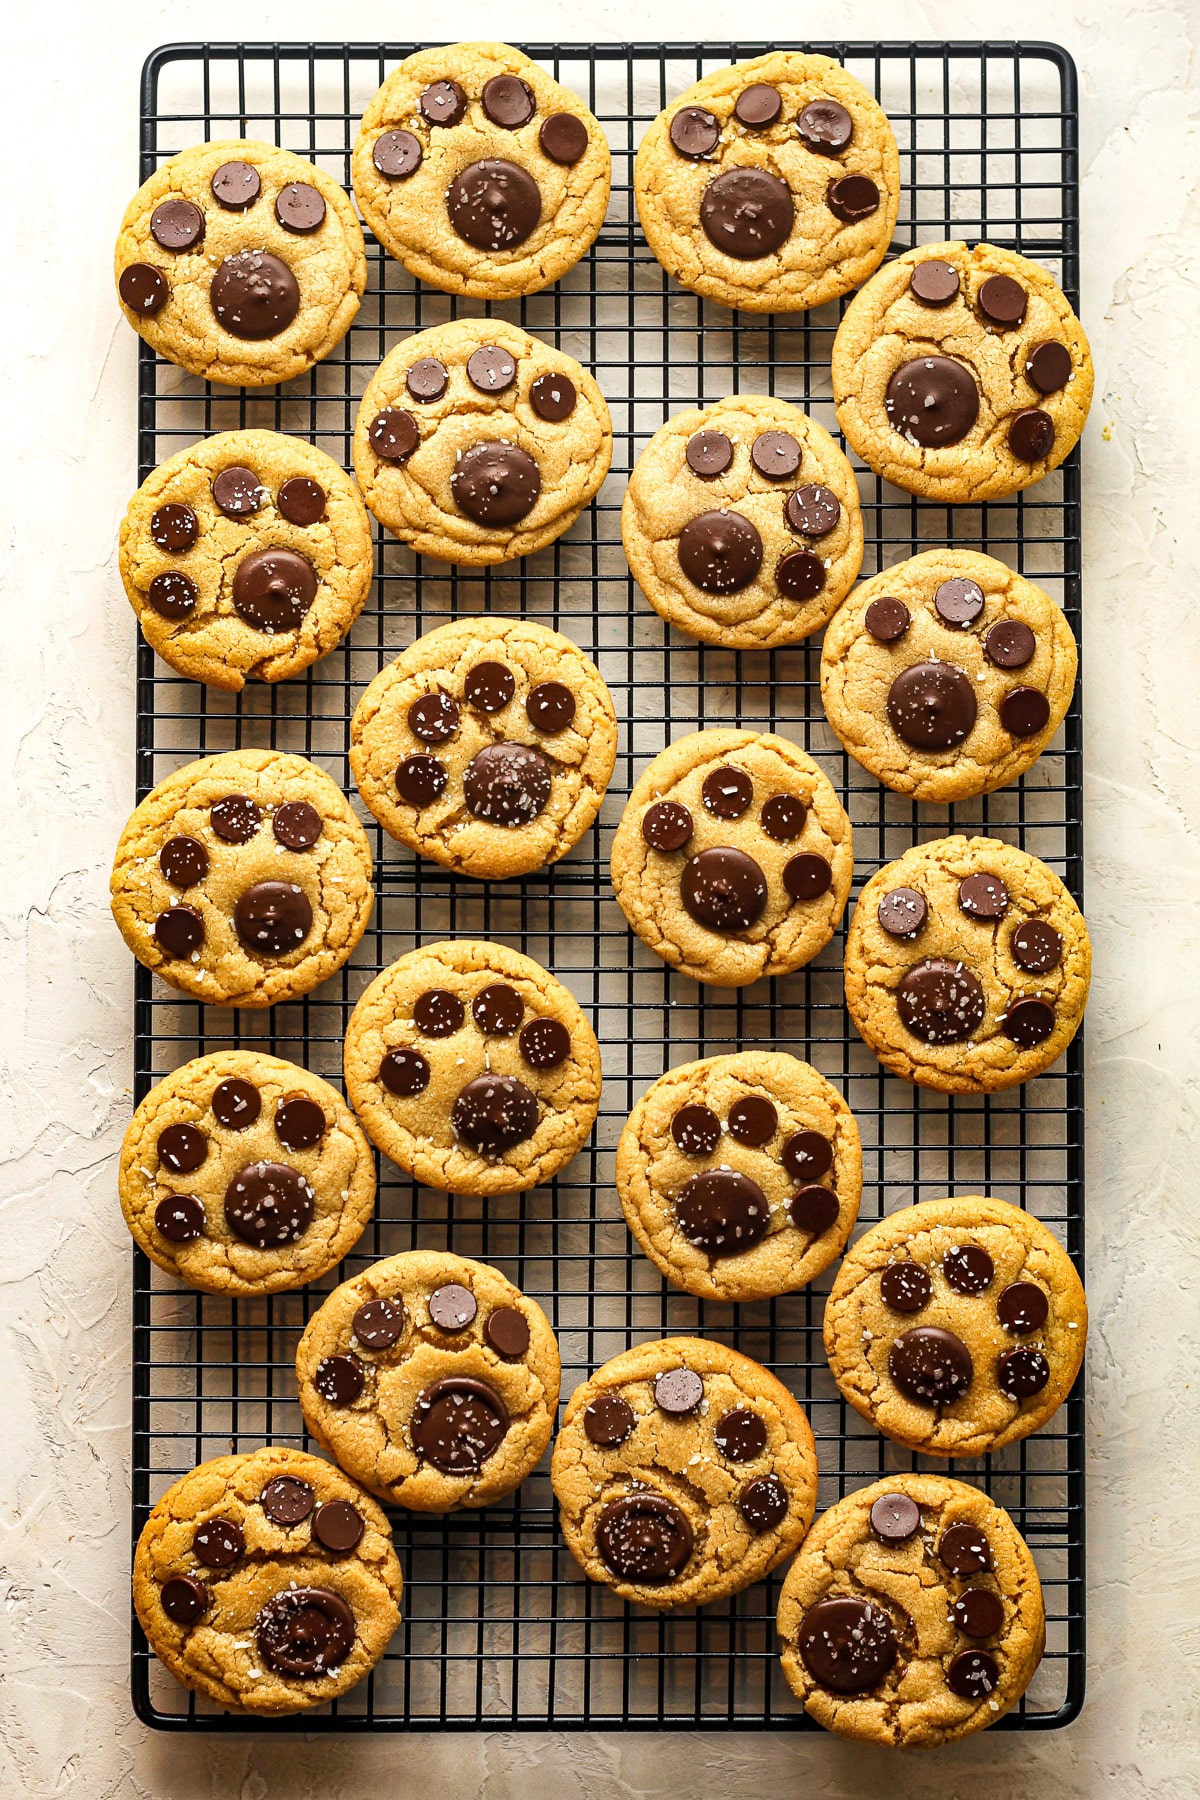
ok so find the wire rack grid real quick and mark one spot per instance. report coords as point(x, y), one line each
point(501, 1629)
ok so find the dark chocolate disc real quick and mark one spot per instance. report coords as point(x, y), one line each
point(491, 369)
point(1031, 434)
point(173, 595)
point(763, 1503)
point(177, 225)
point(964, 1550)
point(666, 825)
point(753, 1121)
point(457, 1423)
point(273, 589)
point(238, 492)
point(973, 1674)
point(895, 1517)
point(508, 101)
point(174, 527)
point(1024, 711)
point(978, 1612)
point(708, 453)
point(722, 1212)
point(905, 1286)
point(296, 825)
point(438, 1013)
point(428, 379)
point(644, 1538)
point(550, 707)
point(983, 896)
point(807, 876)
point(1036, 947)
point(553, 398)
point(301, 501)
point(800, 575)
point(182, 1148)
point(300, 208)
point(608, 1421)
point(545, 1043)
point(775, 454)
point(932, 401)
point(678, 1392)
point(1002, 301)
point(397, 154)
point(144, 289)
point(940, 1001)
point(236, 818)
point(494, 205)
point(489, 687)
point(179, 1218)
point(493, 1113)
point(179, 931)
point(507, 784)
point(783, 816)
point(813, 511)
point(268, 1205)
point(847, 1644)
point(747, 213)
point(694, 132)
point(563, 137)
point(931, 705)
point(887, 619)
point(1009, 644)
point(506, 1330)
point(305, 1632)
point(273, 918)
point(378, 1324)
point(814, 1209)
point(498, 1009)
point(1048, 367)
point(1028, 1022)
point(452, 1307)
point(183, 861)
point(1022, 1307)
point(420, 780)
point(720, 552)
point(724, 889)
point(287, 1500)
point(968, 1269)
point(958, 601)
point(434, 718)
point(934, 282)
point(254, 295)
point(808, 1155)
point(1022, 1373)
point(443, 103)
point(404, 1072)
point(852, 198)
point(218, 1543)
point(758, 106)
point(339, 1379)
point(902, 912)
point(930, 1365)
point(696, 1130)
point(338, 1526)
point(184, 1599)
point(236, 185)
point(825, 126)
point(495, 483)
point(727, 792)
point(394, 434)
point(740, 1435)
point(300, 1123)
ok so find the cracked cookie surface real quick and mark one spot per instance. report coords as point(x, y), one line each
point(486, 746)
point(267, 1581)
point(246, 557)
point(476, 443)
point(740, 1176)
point(241, 262)
point(972, 392)
point(244, 1174)
point(683, 1471)
point(243, 879)
point(479, 172)
point(913, 1614)
point(771, 186)
point(472, 1068)
point(741, 523)
point(983, 1274)
point(967, 965)
point(733, 858)
point(432, 1379)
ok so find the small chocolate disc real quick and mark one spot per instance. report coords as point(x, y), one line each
point(758, 106)
point(296, 825)
point(740, 1435)
point(722, 1212)
point(338, 1526)
point(439, 1013)
point(983, 896)
point(494, 205)
point(720, 552)
point(808, 1155)
point(496, 483)
point(339, 1379)
point(694, 132)
point(490, 369)
point(273, 918)
point(300, 208)
point(273, 590)
point(931, 1366)
point(183, 861)
point(184, 1599)
point(940, 1001)
point(443, 103)
point(678, 1392)
point(931, 705)
point(300, 1123)
point(782, 817)
point(420, 780)
point(563, 137)
point(727, 793)
point(236, 185)
point(1009, 644)
point(507, 1331)
point(905, 1286)
point(177, 225)
point(1002, 301)
point(932, 401)
point(301, 501)
point(238, 492)
point(1036, 947)
point(173, 527)
point(800, 576)
point(428, 379)
point(268, 1205)
point(287, 1500)
point(553, 398)
point(608, 1421)
point(934, 283)
point(958, 601)
point(724, 889)
point(173, 595)
point(1048, 367)
point(847, 1644)
point(394, 434)
point(747, 213)
point(763, 1503)
point(902, 912)
point(825, 126)
point(1028, 1022)
point(545, 1043)
point(507, 784)
point(493, 1113)
point(973, 1674)
point(1024, 711)
point(666, 825)
point(179, 1218)
point(404, 1072)
point(964, 1550)
point(182, 1148)
point(852, 198)
point(144, 289)
point(1031, 434)
point(378, 1324)
point(550, 707)
point(775, 454)
point(709, 453)
point(179, 931)
point(753, 1121)
point(457, 1423)
point(1022, 1308)
point(434, 718)
point(508, 101)
point(807, 876)
point(968, 1269)
point(498, 1009)
point(236, 818)
point(218, 1543)
point(453, 1307)
point(305, 1632)
point(887, 619)
point(895, 1517)
point(696, 1130)
point(813, 511)
point(979, 1612)
point(489, 687)
point(644, 1538)
point(254, 295)
point(397, 154)
point(814, 1209)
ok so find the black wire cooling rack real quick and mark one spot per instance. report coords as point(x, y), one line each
point(501, 1629)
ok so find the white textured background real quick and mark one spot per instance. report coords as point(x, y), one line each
point(68, 106)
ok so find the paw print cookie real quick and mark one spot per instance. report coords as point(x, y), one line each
point(741, 523)
point(486, 746)
point(967, 965)
point(733, 857)
point(913, 1614)
point(683, 1472)
point(740, 1176)
point(243, 1174)
point(472, 1068)
point(243, 879)
point(771, 186)
point(481, 173)
point(241, 262)
point(432, 1379)
point(956, 1326)
point(947, 675)
point(477, 443)
point(960, 374)
point(267, 1582)
point(246, 557)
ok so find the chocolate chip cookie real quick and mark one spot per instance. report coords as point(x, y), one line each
point(913, 1615)
point(267, 1582)
point(433, 1380)
point(243, 1174)
point(246, 557)
point(472, 1068)
point(480, 172)
point(733, 857)
point(961, 374)
point(486, 746)
point(771, 186)
point(740, 1176)
point(947, 675)
point(683, 1472)
point(741, 523)
point(243, 879)
point(477, 443)
point(241, 262)
point(967, 965)
point(956, 1326)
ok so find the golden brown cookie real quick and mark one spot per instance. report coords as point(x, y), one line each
point(243, 879)
point(947, 675)
point(243, 1174)
point(486, 746)
point(741, 523)
point(480, 172)
point(246, 557)
point(432, 1379)
point(267, 1582)
point(771, 186)
point(956, 1326)
point(961, 374)
point(241, 262)
point(472, 1068)
point(733, 858)
point(913, 1615)
point(683, 1472)
point(477, 443)
point(740, 1176)
point(967, 965)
